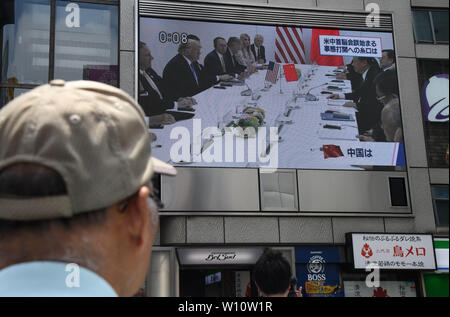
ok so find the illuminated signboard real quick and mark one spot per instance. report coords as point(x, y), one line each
point(234, 95)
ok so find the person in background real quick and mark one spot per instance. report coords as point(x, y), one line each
point(387, 60)
point(78, 214)
point(183, 75)
point(234, 46)
point(245, 55)
point(386, 86)
point(258, 50)
point(350, 74)
point(364, 97)
point(217, 66)
point(272, 275)
point(152, 95)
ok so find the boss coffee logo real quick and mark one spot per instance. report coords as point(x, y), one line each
point(220, 256)
point(316, 268)
point(435, 98)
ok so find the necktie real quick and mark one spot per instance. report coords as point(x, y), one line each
point(151, 82)
point(194, 72)
point(223, 64)
point(233, 60)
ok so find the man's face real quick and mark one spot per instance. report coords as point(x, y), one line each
point(385, 61)
point(235, 47)
point(145, 58)
point(259, 41)
point(221, 46)
point(359, 65)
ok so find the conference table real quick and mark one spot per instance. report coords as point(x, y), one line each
point(290, 109)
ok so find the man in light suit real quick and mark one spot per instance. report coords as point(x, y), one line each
point(258, 50)
point(217, 64)
point(152, 91)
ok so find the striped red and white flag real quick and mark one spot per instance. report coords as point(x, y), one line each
point(289, 47)
point(272, 72)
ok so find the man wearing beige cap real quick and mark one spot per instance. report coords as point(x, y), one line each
point(77, 213)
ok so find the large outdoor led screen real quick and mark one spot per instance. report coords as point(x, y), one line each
point(238, 95)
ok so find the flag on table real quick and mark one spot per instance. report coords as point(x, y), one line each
point(272, 72)
point(290, 72)
point(332, 151)
point(289, 47)
point(323, 60)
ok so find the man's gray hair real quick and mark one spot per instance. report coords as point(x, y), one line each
point(393, 116)
point(183, 47)
point(258, 36)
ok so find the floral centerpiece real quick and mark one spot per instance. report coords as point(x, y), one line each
point(251, 117)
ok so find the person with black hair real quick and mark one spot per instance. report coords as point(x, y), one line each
point(234, 46)
point(387, 60)
point(386, 86)
point(364, 97)
point(272, 275)
point(217, 65)
point(350, 74)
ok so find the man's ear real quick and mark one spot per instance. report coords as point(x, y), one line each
point(137, 217)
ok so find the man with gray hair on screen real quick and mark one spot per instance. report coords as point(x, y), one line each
point(78, 214)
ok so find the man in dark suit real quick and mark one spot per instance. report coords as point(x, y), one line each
point(183, 74)
point(234, 46)
point(364, 97)
point(258, 50)
point(152, 92)
point(217, 64)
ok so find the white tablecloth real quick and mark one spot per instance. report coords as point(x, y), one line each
point(301, 141)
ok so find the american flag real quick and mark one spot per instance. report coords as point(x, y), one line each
point(272, 72)
point(289, 47)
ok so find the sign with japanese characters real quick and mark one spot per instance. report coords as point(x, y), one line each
point(337, 45)
point(393, 251)
point(386, 289)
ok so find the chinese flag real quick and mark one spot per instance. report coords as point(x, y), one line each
point(290, 72)
point(332, 151)
point(323, 60)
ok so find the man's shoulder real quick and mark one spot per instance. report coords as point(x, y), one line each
point(211, 55)
point(52, 279)
point(176, 60)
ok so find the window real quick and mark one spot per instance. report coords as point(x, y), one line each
point(436, 133)
point(45, 39)
point(431, 26)
point(440, 204)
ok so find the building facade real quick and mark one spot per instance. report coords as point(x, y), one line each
point(223, 218)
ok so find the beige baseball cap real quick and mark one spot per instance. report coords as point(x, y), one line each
point(94, 135)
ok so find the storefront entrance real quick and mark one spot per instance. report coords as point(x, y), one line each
point(218, 282)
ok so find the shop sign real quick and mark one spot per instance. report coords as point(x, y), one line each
point(393, 251)
point(386, 289)
point(318, 271)
point(441, 250)
point(435, 98)
point(219, 256)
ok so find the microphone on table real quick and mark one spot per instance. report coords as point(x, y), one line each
point(311, 97)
